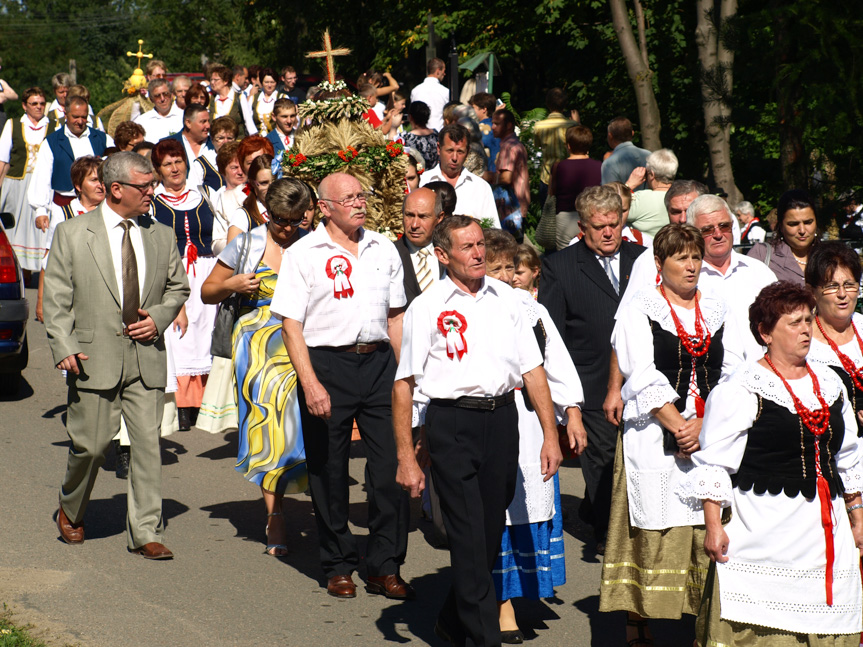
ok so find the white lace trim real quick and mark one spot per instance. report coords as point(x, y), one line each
point(706, 482)
point(764, 382)
point(822, 353)
point(651, 303)
point(529, 307)
point(418, 413)
point(647, 400)
point(852, 479)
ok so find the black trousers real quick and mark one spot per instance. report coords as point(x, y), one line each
point(597, 467)
point(474, 457)
point(360, 386)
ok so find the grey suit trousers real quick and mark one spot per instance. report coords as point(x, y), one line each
point(92, 420)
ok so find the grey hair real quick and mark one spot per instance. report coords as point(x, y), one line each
point(61, 80)
point(119, 167)
point(182, 77)
point(663, 164)
point(155, 83)
point(745, 207)
point(683, 187)
point(442, 235)
point(707, 203)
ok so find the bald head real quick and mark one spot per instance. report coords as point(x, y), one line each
point(343, 202)
point(332, 184)
point(421, 213)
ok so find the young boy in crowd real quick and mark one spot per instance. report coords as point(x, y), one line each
point(285, 116)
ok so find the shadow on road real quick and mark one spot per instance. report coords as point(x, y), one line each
point(419, 615)
point(107, 517)
point(227, 450)
point(610, 628)
point(24, 392)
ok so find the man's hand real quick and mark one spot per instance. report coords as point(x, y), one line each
point(550, 458)
point(71, 363)
point(716, 544)
point(318, 400)
point(42, 223)
point(636, 178)
point(613, 407)
point(144, 329)
point(575, 431)
point(410, 477)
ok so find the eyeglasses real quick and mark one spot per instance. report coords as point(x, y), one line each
point(723, 227)
point(34, 105)
point(162, 95)
point(142, 187)
point(350, 201)
point(833, 288)
point(284, 222)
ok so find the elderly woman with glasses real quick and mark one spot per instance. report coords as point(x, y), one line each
point(271, 450)
point(833, 276)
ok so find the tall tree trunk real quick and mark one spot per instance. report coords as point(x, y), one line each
point(717, 62)
point(640, 75)
point(792, 154)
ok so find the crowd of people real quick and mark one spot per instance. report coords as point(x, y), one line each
point(713, 398)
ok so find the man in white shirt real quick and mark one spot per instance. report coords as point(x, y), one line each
point(433, 93)
point(473, 194)
point(113, 285)
point(420, 216)
point(195, 134)
point(165, 119)
point(52, 177)
point(752, 230)
point(466, 347)
point(736, 278)
point(341, 298)
point(179, 86)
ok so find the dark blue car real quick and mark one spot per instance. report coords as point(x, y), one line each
point(14, 312)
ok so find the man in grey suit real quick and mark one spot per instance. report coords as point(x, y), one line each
point(113, 284)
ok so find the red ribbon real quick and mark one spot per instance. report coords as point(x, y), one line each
point(827, 524)
point(339, 269)
point(453, 325)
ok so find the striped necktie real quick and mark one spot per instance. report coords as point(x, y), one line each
point(423, 271)
point(609, 270)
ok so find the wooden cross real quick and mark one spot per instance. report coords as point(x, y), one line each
point(328, 52)
point(139, 54)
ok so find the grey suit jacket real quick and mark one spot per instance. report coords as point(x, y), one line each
point(82, 303)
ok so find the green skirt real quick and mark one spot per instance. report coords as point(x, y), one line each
point(654, 573)
point(727, 633)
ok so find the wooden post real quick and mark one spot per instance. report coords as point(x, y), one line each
point(73, 71)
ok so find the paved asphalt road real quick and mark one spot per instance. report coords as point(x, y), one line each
point(221, 589)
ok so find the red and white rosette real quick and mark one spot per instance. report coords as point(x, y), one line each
point(339, 270)
point(453, 325)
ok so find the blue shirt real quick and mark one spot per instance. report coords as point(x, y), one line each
point(625, 158)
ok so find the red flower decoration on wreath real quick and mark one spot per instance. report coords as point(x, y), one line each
point(297, 159)
point(453, 325)
point(394, 149)
point(342, 156)
point(339, 270)
point(352, 151)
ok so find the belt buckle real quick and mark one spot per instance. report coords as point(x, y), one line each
point(360, 348)
point(493, 404)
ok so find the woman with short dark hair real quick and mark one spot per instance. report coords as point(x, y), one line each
point(833, 276)
point(796, 234)
point(779, 450)
point(673, 346)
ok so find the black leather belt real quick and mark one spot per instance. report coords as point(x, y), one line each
point(359, 349)
point(479, 404)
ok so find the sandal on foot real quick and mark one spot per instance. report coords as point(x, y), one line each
point(274, 550)
point(642, 627)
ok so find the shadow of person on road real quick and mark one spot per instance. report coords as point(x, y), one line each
point(417, 616)
point(107, 517)
point(227, 450)
point(609, 628)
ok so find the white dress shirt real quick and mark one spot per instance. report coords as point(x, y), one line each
point(305, 291)
point(473, 194)
point(115, 242)
point(435, 95)
point(40, 194)
point(500, 345)
point(156, 127)
point(33, 135)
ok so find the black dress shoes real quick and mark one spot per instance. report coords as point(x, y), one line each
point(123, 455)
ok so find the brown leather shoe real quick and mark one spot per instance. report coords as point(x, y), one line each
point(153, 550)
point(392, 586)
point(69, 532)
point(342, 586)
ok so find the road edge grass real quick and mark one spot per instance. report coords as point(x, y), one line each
point(14, 635)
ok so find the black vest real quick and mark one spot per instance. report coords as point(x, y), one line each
point(854, 393)
point(200, 225)
point(780, 453)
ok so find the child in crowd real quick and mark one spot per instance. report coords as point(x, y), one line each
point(531, 559)
point(527, 266)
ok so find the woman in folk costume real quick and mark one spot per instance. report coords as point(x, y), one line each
point(19, 143)
point(264, 101)
point(530, 563)
point(189, 215)
point(779, 449)
point(673, 346)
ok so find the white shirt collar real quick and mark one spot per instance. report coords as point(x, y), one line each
point(450, 289)
point(322, 238)
point(69, 134)
point(736, 261)
point(113, 219)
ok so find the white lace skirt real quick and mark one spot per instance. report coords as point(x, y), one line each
point(192, 352)
point(28, 242)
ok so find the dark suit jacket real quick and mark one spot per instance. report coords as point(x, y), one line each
point(412, 287)
point(582, 303)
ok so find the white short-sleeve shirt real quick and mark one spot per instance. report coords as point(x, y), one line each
point(340, 299)
point(455, 344)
